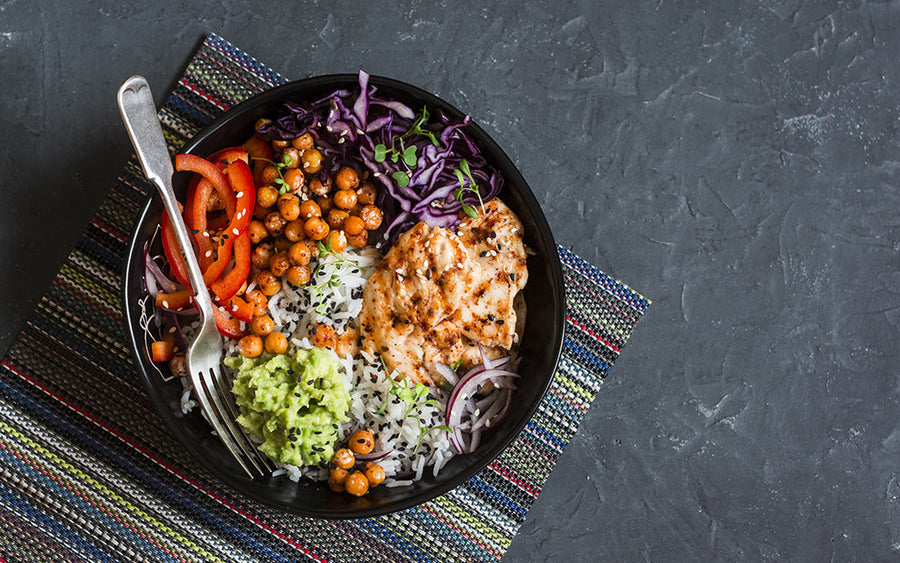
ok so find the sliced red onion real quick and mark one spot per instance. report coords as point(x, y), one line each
point(375, 456)
point(447, 373)
point(153, 271)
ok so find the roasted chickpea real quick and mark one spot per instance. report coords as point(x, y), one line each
point(276, 343)
point(261, 255)
point(336, 241)
point(359, 240)
point(345, 199)
point(303, 142)
point(318, 187)
point(282, 244)
point(325, 204)
point(316, 228)
point(336, 479)
point(311, 161)
point(362, 442)
point(269, 175)
point(260, 212)
point(257, 230)
point(371, 216)
point(347, 343)
point(291, 158)
point(299, 254)
point(354, 225)
point(279, 263)
point(336, 218)
point(366, 193)
point(266, 196)
point(298, 275)
point(250, 346)
point(262, 325)
point(294, 179)
point(374, 473)
point(322, 335)
point(289, 206)
point(310, 209)
point(274, 223)
point(259, 301)
point(346, 179)
point(356, 484)
point(268, 283)
point(280, 145)
point(343, 458)
point(293, 231)
point(178, 365)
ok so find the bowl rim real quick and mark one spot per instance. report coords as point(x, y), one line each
point(502, 161)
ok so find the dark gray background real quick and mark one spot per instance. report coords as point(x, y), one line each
point(734, 162)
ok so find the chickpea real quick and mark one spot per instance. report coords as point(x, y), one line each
point(322, 335)
point(269, 175)
point(343, 458)
point(371, 216)
point(178, 365)
point(299, 254)
point(259, 301)
point(336, 241)
point(293, 231)
point(291, 158)
point(276, 343)
point(250, 346)
point(294, 179)
point(268, 283)
point(298, 275)
point(282, 244)
point(345, 199)
point(354, 225)
point(257, 230)
point(325, 204)
point(310, 209)
point(366, 193)
point(261, 255)
point(274, 223)
point(316, 228)
point(289, 206)
point(262, 325)
point(346, 344)
point(311, 161)
point(359, 240)
point(320, 188)
point(266, 196)
point(362, 442)
point(303, 142)
point(337, 478)
point(374, 473)
point(336, 218)
point(356, 484)
point(279, 145)
point(260, 212)
point(279, 263)
point(346, 178)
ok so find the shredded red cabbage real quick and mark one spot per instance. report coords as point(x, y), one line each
point(350, 127)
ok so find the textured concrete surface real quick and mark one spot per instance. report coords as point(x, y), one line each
point(737, 162)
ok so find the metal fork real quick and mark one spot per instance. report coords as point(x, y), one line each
point(205, 352)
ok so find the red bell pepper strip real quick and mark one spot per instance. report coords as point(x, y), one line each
point(241, 309)
point(193, 163)
point(163, 350)
point(238, 173)
point(228, 326)
point(229, 284)
point(172, 252)
point(225, 157)
point(198, 224)
point(176, 300)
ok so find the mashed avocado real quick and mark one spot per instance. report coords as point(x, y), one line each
point(292, 402)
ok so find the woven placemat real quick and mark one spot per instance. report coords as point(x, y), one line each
point(89, 473)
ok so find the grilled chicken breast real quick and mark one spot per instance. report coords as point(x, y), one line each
point(439, 292)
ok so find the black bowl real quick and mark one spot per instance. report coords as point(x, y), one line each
point(541, 341)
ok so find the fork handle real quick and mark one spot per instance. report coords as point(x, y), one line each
point(139, 114)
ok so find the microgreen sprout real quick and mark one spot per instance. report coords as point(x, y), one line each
point(463, 173)
point(411, 395)
point(334, 280)
point(399, 149)
point(285, 162)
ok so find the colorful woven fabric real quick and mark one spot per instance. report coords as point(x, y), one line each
point(89, 473)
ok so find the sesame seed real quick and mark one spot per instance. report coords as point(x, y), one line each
point(240, 194)
point(165, 304)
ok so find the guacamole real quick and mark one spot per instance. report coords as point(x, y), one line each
point(292, 402)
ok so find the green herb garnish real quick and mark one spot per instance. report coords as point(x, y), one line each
point(286, 161)
point(463, 173)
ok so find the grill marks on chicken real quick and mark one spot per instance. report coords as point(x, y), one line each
point(438, 293)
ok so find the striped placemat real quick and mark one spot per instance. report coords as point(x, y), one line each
point(89, 473)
